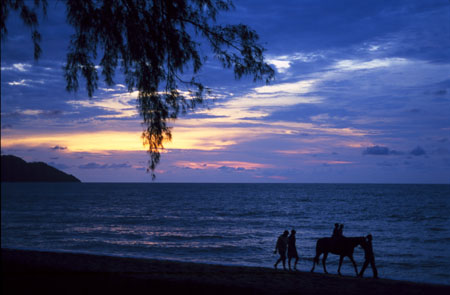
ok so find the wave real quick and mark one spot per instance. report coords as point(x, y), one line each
point(187, 237)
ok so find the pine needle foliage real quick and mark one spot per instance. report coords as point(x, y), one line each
point(156, 44)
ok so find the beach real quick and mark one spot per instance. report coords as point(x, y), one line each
point(25, 272)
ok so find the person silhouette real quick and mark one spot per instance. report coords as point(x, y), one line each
point(369, 257)
point(335, 230)
point(340, 232)
point(281, 248)
point(292, 250)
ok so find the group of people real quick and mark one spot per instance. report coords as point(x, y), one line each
point(338, 230)
point(287, 243)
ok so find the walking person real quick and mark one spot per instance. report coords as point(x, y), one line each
point(281, 248)
point(292, 250)
point(369, 258)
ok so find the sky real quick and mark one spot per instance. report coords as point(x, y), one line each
point(361, 95)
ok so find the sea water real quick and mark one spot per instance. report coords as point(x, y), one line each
point(234, 224)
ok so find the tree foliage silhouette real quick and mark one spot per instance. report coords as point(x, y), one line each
point(156, 44)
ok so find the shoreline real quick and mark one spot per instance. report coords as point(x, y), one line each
point(25, 271)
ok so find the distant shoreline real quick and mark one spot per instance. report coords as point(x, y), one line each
point(16, 170)
point(25, 272)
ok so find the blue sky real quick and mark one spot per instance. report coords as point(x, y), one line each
point(361, 94)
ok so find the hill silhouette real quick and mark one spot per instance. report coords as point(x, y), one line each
point(15, 169)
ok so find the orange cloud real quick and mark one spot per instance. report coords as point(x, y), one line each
point(102, 141)
point(80, 142)
point(305, 151)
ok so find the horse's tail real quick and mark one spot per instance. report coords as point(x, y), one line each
point(316, 257)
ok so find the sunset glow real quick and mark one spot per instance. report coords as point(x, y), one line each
point(355, 99)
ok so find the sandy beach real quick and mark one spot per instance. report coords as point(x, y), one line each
point(26, 272)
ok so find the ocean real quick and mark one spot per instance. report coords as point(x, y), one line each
point(234, 224)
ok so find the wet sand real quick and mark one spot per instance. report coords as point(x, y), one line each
point(31, 272)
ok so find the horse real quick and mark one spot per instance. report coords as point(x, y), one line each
point(341, 246)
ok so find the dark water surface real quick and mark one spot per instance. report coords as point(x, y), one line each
point(234, 224)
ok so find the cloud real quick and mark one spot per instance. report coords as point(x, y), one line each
point(22, 82)
point(58, 165)
point(300, 87)
point(302, 151)
point(418, 151)
point(79, 142)
point(386, 164)
point(355, 65)
point(57, 147)
point(119, 166)
point(281, 65)
point(262, 102)
point(93, 165)
point(222, 165)
point(231, 169)
point(118, 105)
point(376, 150)
point(21, 67)
point(283, 62)
point(32, 112)
point(51, 113)
point(25, 82)
point(380, 151)
point(329, 162)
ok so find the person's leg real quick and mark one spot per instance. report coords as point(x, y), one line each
point(295, 263)
point(276, 263)
point(289, 262)
point(283, 259)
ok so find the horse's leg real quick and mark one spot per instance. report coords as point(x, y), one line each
point(354, 264)
point(341, 258)
point(363, 268)
point(315, 260)
point(323, 261)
